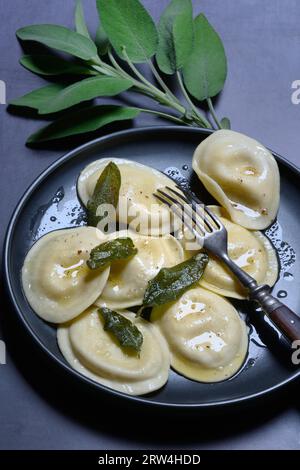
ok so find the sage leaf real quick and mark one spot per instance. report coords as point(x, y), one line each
point(206, 68)
point(225, 123)
point(106, 192)
point(118, 249)
point(36, 98)
point(128, 25)
point(46, 64)
point(127, 334)
point(60, 38)
point(176, 33)
point(82, 121)
point(101, 41)
point(170, 283)
point(80, 23)
point(85, 90)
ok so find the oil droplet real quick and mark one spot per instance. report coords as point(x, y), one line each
point(250, 363)
point(288, 277)
point(285, 251)
point(185, 167)
point(282, 294)
point(52, 218)
point(176, 175)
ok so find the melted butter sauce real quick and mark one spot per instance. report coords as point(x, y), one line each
point(208, 339)
point(72, 271)
point(250, 171)
point(187, 307)
point(246, 210)
point(246, 259)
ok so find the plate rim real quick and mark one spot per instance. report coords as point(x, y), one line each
point(72, 372)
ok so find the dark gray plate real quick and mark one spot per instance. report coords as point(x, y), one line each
point(51, 203)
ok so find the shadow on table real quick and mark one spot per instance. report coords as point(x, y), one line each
point(104, 415)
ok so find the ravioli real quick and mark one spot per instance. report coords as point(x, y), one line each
point(137, 205)
point(207, 338)
point(242, 175)
point(250, 250)
point(128, 279)
point(94, 352)
point(56, 280)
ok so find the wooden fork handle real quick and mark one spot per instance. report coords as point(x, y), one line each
point(287, 322)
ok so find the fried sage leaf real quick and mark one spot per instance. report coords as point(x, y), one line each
point(170, 283)
point(106, 192)
point(128, 335)
point(104, 254)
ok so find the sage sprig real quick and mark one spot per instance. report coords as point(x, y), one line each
point(126, 37)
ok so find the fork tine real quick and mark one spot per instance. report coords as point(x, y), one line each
point(177, 212)
point(191, 214)
point(194, 199)
point(194, 206)
point(197, 205)
point(198, 221)
point(216, 219)
point(162, 199)
point(180, 195)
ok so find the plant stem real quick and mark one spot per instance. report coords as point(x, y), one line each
point(162, 97)
point(117, 66)
point(161, 82)
point(140, 76)
point(103, 70)
point(145, 87)
point(200, 116)
point(117, 70)
point(213, 113)
point(164, 115)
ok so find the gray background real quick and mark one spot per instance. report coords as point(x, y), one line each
point(38, 409)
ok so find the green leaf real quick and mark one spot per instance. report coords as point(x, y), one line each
point(106, 192)
point(80, 23)
point(85, 90)
point(60, 38)
point(225, 123)
point(170, 283)
point(36, 98)
point(127, 334)
point(102, 255)
point(128, 25)
point(176, 33)
point(206, 68)
point(46, 64)
point(85, 120)
point(101, 40)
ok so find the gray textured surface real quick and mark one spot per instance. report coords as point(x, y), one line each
point(262, 40)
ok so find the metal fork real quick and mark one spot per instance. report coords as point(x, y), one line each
point(211, 233)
